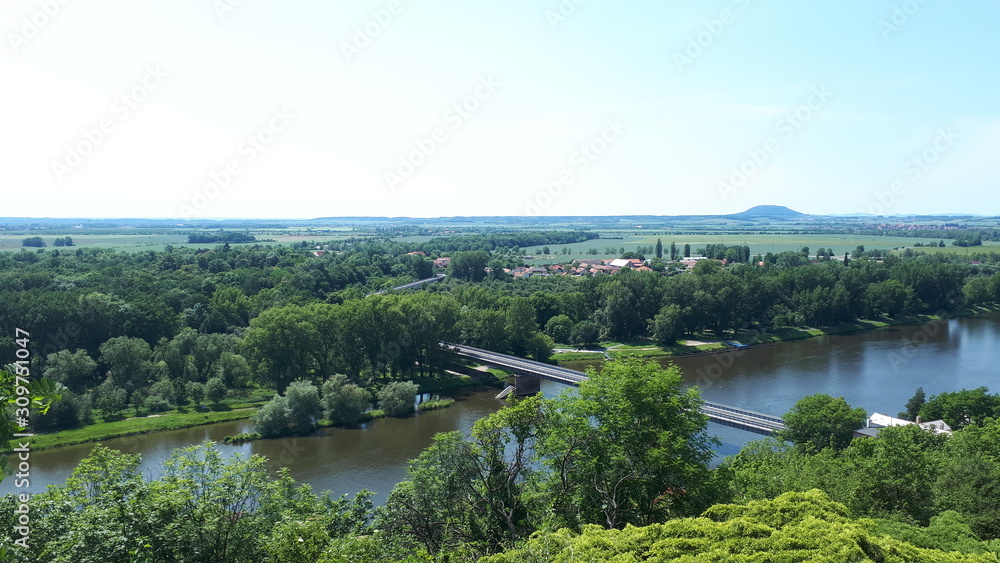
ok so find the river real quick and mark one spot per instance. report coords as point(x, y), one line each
point(878, 370)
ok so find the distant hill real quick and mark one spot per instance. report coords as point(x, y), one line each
point(767, 211)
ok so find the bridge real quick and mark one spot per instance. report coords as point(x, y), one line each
point(725, 415)
point(411, 285)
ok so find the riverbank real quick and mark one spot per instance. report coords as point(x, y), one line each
point(239, 409)
point(130, 427)
point(745, 339)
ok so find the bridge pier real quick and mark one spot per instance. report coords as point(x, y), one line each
point(527, 385)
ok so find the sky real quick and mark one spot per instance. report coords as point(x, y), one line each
point(309, 108)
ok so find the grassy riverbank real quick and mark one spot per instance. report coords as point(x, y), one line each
point(234, 409)
point(121, 428)
point(708, 343)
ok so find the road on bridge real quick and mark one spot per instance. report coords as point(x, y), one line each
point(721, 414)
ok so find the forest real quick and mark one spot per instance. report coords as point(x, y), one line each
point(157, 330)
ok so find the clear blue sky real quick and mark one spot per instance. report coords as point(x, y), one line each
point(305, 108)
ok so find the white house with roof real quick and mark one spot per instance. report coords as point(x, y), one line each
point(878, 421)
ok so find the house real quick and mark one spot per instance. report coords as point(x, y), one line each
point(442, 262)
point(417, 253)
point(620, 263)
point(877, 421)
point(521, 272)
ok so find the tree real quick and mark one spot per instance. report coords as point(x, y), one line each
point(215, 390)
point(74, 369)
point(397, 398)
point(630, 439)
point(304, 407)
point(585, 333)
point(128, 360)
point(962, 408)
point(33, 241)
point(559, 328)
point(344, 402)
point(470, 491)
point(272, 419)
point(110, 399)
point(195, 391)
point(659, 248)
point(687, 250)
point(914, 404)
point(470, 265)
point(668, 325)
point(281, 341)
point(819, 421)
point(796, 526)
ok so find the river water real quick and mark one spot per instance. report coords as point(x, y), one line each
point(877, 370)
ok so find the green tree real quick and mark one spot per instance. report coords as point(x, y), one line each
point(195, 391)
point(585, 333)
point(470, 491)
point(470, 265)
point(962, 408)
point(630, 439)
point(281, 341)
point(397, 398)
point(668, 325)
point(344, 402)
point(215, 390)
point(820, 421)
point(687, 250)
point(273, 418)
point(659, 248)
point(75, 369)
point(128, 360)
point(304, 407)
point(914, 405)
point(110, 399)
point(559, 328)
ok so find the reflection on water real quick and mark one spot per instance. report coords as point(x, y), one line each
point(877, 370)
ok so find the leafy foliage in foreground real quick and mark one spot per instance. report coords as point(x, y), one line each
point(806, 527)
point(204, 507)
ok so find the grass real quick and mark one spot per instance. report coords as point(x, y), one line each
point(117, 429)
point(435, 404)
point(243, 437)
point(444, 382)
point(576, 356)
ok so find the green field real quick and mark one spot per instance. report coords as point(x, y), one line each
point(138, 240)
point(758, 243)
